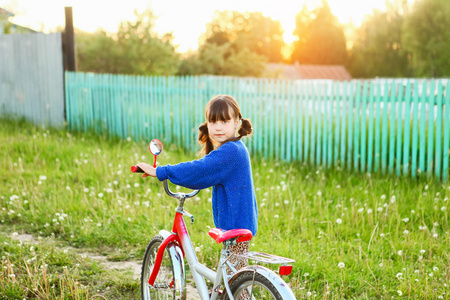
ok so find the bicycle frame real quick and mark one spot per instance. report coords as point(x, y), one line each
point(180, 236)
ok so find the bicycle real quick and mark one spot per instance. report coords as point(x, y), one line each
point(163, 273)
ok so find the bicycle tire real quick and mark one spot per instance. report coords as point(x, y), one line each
point(165, 283)
point(262, 287)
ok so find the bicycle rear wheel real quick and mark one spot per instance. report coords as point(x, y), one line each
point(170, 282)
point(250, 284)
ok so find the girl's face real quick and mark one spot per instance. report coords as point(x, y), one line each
point(221, 131)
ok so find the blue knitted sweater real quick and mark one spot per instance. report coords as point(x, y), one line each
point(227, 169)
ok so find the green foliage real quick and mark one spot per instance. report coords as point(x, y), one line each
point(251, 30)
point(223, 60)
point(378, 49)
point(135, 49)
point(321, 38)
point(353, 236)
point(236, 44)
point(426, 35)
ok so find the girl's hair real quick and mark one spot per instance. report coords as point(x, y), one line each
point(218, 109)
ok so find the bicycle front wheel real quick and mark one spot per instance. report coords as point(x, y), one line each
point(170, 282)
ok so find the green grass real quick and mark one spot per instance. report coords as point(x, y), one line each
point(392, 234)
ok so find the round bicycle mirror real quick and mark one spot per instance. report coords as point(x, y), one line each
point(156, 147)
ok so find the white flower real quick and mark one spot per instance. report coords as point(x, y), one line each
point(435, 269)
point(276, 216)
point(341, 265)
point(381, 234)
point(405, 232)
point(399, 275)
point(435, 235)
point(393, 199)
point(443, 208)
point(198, 249)
point(339, 221)
point(381, 265)
point(399, 293)
point(431, 274)
point(129, 139)
point(369, 211)
point(422, 251)
point(338, 186)
point(136, 185)
point(319, 193)
point(383, 197)
point(86, 190)
point(100, 195)
point(360, 210)
point(400, 252)
point(380, 209)
point(42, 177)
point(405, 220)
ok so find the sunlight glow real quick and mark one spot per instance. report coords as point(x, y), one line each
point(185, 19)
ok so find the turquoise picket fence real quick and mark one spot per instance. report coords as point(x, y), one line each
point(395, 126)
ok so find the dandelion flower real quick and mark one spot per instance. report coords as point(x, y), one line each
point(341, 265)
point(339, 221)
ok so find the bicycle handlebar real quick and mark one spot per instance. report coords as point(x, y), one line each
point(178, 195)
point(136, 169)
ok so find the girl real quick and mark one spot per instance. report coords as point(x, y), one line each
point(225, 166)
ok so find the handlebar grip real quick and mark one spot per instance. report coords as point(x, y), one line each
point(136, 169)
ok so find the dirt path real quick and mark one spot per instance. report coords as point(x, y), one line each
point(133, 266)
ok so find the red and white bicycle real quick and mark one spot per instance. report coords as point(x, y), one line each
point(163, 270)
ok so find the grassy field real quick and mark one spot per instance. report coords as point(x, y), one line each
point(352, 235)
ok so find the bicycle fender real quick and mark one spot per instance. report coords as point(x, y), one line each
point(281, 286)
point(177, 260)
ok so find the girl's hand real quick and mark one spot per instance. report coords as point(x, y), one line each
point(148, 169)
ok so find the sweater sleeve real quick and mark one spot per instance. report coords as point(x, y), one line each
point(208, 171)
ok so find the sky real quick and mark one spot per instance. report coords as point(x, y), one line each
point(185, 19)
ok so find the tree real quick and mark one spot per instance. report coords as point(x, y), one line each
point(97, 52)
point(223, 60)
point(321, 38)
point(378, 48)
point(426, 35)
point(134, 49)
point(251, 30)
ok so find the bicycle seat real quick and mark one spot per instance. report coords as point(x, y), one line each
point(220, 235)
